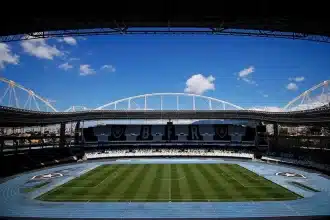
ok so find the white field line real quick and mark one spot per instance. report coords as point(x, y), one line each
point(102, 181)
point(114, 174)
point(90, 199)
point(246, 186)
point(254, 178)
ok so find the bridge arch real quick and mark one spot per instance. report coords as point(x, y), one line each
point(314, 97)
point(209, 101)
point(16, 95)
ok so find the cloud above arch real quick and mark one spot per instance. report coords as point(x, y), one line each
point(199, 84)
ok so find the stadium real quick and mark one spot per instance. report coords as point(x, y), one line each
point(164, 155)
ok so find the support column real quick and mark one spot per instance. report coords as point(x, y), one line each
point(62, 135)
point(275, 129)
point(77, 134)
point(2, 146)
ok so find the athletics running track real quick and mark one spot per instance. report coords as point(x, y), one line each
point(15, 203)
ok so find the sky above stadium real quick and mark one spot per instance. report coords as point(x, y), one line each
point(92, 71)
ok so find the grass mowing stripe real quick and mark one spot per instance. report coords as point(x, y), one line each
point(246, 176)
point(159, 182)
point(233, 172)
point(248, 191)
point(195, 189)
point(274, 190)
point(231, 188)
point(74, 188)
point(93, 178)
point(108, 188)
point(164, 192)
point(118, 190)
point(236, 184)
point(265, 189)
point(214, 181)
point(156, 183)
point(148, 179)
point(131, 190)
point(208, 189)
point(175, 187)
point(183, 183)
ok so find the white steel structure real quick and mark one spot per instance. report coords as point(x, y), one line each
point(76, 109)
point(169, 101)
point(317, 96)
point(17, 96)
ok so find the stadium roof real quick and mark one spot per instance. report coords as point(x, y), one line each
point(18, 117)
point(309, 18)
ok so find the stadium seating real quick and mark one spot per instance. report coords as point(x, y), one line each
point(182, 132)
point(102, 133)
point(298, 162)
point(157, 132)
point(88, 135)
point(132, 132)
point(34, 159)
point(207, 132)
point(168, 152)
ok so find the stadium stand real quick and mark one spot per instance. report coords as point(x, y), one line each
point(168, 153)
point(207, 132)
point(132, 132)
point(35, 159)
point(158, 132)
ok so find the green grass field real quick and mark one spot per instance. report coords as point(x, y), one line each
point(169, 182)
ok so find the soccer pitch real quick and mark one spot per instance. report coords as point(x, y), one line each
point(169, 182)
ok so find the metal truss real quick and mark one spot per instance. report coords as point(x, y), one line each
point(305, 101)
point(166, 31)
point(31, 100)
point(211, 102)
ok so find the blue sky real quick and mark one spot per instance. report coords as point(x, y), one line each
point(245, 71)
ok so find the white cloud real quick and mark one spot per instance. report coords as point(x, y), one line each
point(39, 48)
point(198, 84)
point(300, 79)
point(86, 70)
point(68, 40)
point(6, 56)
point(265, 95)
point(250, 81)
point(65, 66)
point(109, 68)
point(73, 59)
point(297, 79)
point(292, 86)
point(245, 72)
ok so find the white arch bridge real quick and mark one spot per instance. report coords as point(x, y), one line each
point(15, 95)
point(169, 101)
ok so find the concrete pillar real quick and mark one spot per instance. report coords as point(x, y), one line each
point(77, 134)
point(275, 129)
point(2, 146)
point(62, 135)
